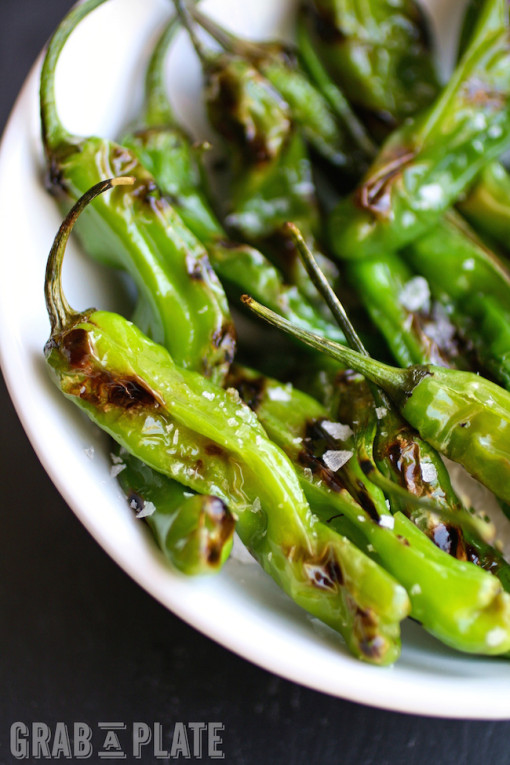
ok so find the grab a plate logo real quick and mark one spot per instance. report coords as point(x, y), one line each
point(116, 740)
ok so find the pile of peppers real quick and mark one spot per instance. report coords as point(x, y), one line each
point(364, 210)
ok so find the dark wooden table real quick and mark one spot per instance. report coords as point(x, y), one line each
point(80, 642)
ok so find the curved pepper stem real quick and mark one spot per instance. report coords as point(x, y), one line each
point(53, 132)
point(158, 108)
point(186, 17)
point(230, 42)
point(60, 312)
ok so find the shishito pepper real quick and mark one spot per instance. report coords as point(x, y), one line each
point(393, 454)
point(462, 415)
point(272, 179)
point(426, 164)
point(194, 531)
point(168, 153)
point(468, 278)
point(455, 600)
point(379, 53)
point(279, 63)
point(184, 426)
point(137, 230)
point(487, 205)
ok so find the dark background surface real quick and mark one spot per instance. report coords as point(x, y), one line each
point(79, 641)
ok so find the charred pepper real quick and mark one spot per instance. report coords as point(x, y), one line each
point(168, 153)
point(462, 415)
point(272, 179)
point(187, 428)
point(426, 164)
point(137, 230)
point(379, 53)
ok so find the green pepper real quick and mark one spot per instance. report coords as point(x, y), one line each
point(391, 451)
point(272, 179)
point(416, 328)
point(138, 230)
point(426, 164)
point(454, 599)
point(167, 152)
point(462, 415)
point(185, 427)
point(487, 205)
point(194, 531)
point(379, 53)
point(467, 277)
point(311, 111)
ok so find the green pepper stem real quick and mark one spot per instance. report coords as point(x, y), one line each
point(485, 530)
point(53, 132)
point(60, 312)
point(228, 40)
point(188, 21)
point(398, 383)
point(158, 108)
point(324, 288)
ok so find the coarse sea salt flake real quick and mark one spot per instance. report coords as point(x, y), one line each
point(90, 452)
point(428, 472)
point(415, 589)
point(334, 460)
point(388, 521)
point(415, 294)
point(256, 506)
point(149, 508)
point(381, 412)
point(209, 396)
point(337, 430)
point(116, 469)
point(496, 636)
point(232, 422)
point(278, 394)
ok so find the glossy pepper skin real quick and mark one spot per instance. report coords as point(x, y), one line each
point(193, 531)
point(392, 454)
point(426, 164)
point(185, 427)
point(464, 274)
point(379, 53)
point(272, 179)
point(168, 153)
point(137, 230)
point(462, 415)
point(415, 332)
point(455, 600)
point(487, 205)
point(310, 109)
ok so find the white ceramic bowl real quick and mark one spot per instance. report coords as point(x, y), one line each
point(99, 83)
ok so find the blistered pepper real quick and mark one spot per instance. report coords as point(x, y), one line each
point(137, 230)
point(427, 163)
point(182, 425)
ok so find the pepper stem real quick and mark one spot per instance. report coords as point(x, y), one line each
point(53, 132)
point(324, 288)
point(60, 312)
point(181, 6)
point(158, 109)
point(459, 518)
point(228, 40)
point(398, 383)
